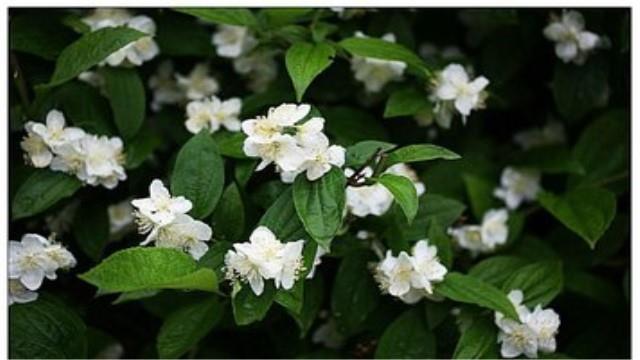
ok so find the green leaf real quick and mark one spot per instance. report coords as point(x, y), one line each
point(404, 192)
point(282, 219)
point(348, 125)
point(214, 257)
point(293, 299)
point(198, 174)
point(358, 154)
point(125, 297)
point(173, 28)
point(311, 304)
point(40, 35)
point(228, 218)
point(419, 152)
point(183, 328)
point(354, 294)
point(496, 270)
point(235, 16)
point(407, 338)
point(46, 329)
point(540, 282)
point(579, 89)
point(84, 107)
point(586, 211)
point(470, 290)
point(141, 268)
point(141, 147)
point(480, 193)
point(381, 49)
point(320, 204)
point(432, 209)
point(305, 61)
point(548, 159)
point(248, 307)
point(594, 287)
point(43, 189)
point(277, 17)
point(406, 102)
point(230, 144)
point(478, 341)
point(125, 91)
point(91, 228)
point(438, 237)
point(90, 50)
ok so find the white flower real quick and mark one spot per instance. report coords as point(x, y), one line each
point(376, 73)
point(494, 228)
point(531, 332)
point(34, 258)
point(410, 277)
point(259, 66)
point(183, 233)
point(453, 85)
point(20, 294)
point(263, 129)
point(70, 159)
point(264, 257)
point(282, 149)
point(135, 53)
point(233, 41)
point(469, 237)
point(160, 208)
point(212, 113)
point(198, 84)
point(120, 216)
point(320, 157)
point(54, 133)
point(368, 199)
point(551, 134)
point(165, 88)
point(36, 150)
point(517, 186)
point(103, 161)
point(573, 43)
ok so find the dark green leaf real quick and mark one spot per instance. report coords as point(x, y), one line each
point(586, 211)
point(228, 218)
point(214, 257)
point(312, 302)
point(358, 154)
point(540, 282)
point(230, 144)
point(480, 193)
point(320, 204)
point(478, 341)
point(90, 50)
point(46, 329)
point(406, 102)
point(438, 237)
point(283, 220)
point(282, 16)
point(496, 269)
point(381, 49)
point(248, 307)
point(125, 91)
point(349, 125)
point(183, 328)
point(230, 16)
point(141, 268)
point(471, 290)
point(91, 228)
point(407, 338)
point(83, 106)
point(305, 61)
point(420, 152)
point(43, 189)
point(548, 159)
point(198, 174)
point(173, 28)
point(38, 35)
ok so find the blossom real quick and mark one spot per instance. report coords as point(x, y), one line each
point(102, 161)
point(36, 150)
point(551, 134)
point(184, 233)
point(265, 257)
point(320, 157)
point(165, 87)
point(376, 73)
point(410, 277)
point(198, 84)
point(232, 41)
point(18, 293)
point(531, 332)
point(454, 86)
point(32, 259)
point(135, 53)
point(212, 113)
point(517, 186)
point(54, 133)
point(573, 42)
point(120, 216)
point(263, 129)
point(160, 208)
point(483, 238)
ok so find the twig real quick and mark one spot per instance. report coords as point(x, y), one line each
point(354, 180)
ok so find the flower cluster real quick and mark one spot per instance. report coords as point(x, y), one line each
point(170, 88)
point(95, 160)
point(295, 146)
point(573, 42)
point(454, 90)
point(135, 53)
point(375, 199)
point(265, 257)
point(376, 73)
point(517, 186)
point(239, 44)
point(31, 260)
point(485, 237)
point(533, 331)
point(211, 114)
point(410, 277)
point(163, 218)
